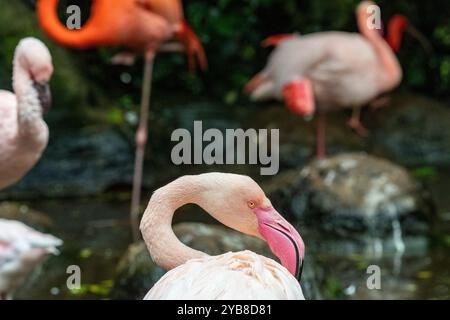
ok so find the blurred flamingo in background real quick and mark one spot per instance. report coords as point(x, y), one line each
point(21, 250)
point(239, 203)
point(141, 26)
point(23, 131)
point(327, 71)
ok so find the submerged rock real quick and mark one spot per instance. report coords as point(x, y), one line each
point(137, 273)
point(353, 194)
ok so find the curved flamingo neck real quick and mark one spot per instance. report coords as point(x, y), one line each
point(391, 72)
point(47, 13)
point(31, 127)
point(156, 225)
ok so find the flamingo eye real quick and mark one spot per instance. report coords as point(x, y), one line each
point(251, 204)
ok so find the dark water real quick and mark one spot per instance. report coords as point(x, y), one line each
point(96, 234)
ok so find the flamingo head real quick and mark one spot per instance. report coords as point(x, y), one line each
point(398, 25)
point(239, 203)
point(396, 28)
point(35, 57)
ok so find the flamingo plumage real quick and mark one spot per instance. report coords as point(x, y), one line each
point(21, 250)
point(141, 26)
point(23, 131)
point(239, 203)
point(327, 71)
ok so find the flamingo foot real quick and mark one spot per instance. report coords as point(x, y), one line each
point(380, 103)
point(124, 59)
point(356, 125)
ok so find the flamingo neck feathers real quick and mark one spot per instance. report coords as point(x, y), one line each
point(31, 127)
point(390, 69)
point(156, 225)
point(86, 37)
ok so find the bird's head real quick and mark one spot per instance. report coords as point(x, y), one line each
point(239, 203)
point(35, 57)
point(398, 25)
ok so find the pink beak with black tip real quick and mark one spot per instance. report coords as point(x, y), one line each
point(282, 238)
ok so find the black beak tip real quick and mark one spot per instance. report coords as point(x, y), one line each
point(300, 271)
point(44, 96)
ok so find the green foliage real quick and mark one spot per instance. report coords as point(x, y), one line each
point(425, 173)
point(334, 288)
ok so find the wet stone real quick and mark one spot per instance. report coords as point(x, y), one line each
point(353, 194)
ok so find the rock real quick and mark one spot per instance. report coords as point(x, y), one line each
point(77, 164)
point(137, 273)
point(352, 194)
point(413, 130)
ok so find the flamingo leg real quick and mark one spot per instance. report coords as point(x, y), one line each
point(141, 141)
point(381, 102)
point(321, 142)
point(355, 123)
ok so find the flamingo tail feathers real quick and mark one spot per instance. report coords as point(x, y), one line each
point(193, 46)
point(275, 40)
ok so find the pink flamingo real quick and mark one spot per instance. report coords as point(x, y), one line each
point(328, 71)
point(23, 132)
point(239, 203)
point(21, 250)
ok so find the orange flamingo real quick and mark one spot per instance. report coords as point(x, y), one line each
point(141, 26)
point(328, 71)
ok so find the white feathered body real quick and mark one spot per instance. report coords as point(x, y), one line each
point(21, 250)
point(232, 276)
